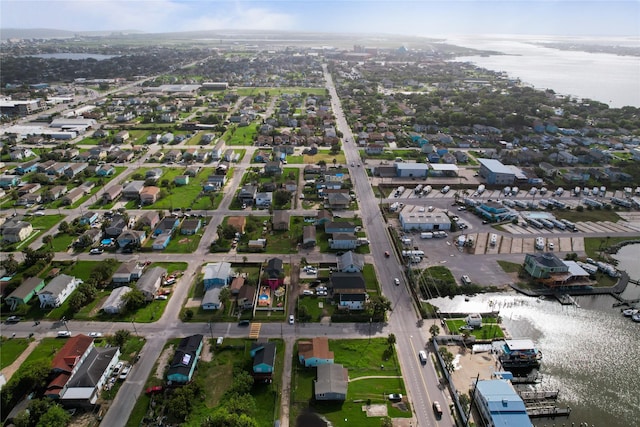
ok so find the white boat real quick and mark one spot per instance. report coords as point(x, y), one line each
point(636, 317)
point(630, 312)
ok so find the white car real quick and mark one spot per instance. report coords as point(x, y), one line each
point(64, 334)
point(96, 251)
point(95, 334)
point(125, 372)
point(291, 319)
point(396, 281)
point(307, 292)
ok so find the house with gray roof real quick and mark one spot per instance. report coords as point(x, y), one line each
point(150, 282)
point(115, 301)
point(216, 274)
point(332, 382)
point(23, 293)
point(84, 386)
point(350, 262)
point(58, 290)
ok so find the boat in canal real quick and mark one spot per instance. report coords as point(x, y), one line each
point(636, 317)
point(629, 312)
point(520, 354)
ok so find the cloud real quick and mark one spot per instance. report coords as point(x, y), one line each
point(143, 15)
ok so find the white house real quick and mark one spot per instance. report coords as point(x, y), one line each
point(115, 302)
point(474, 320)
point(58, 290)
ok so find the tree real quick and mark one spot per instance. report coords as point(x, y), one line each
point(447, 357)
point(391, 340)
point(48, 240)
point(134, 299)
point(378, 307)
point(434, 330)
point(225, 295)
point(56, 416)
point(242, 382)
point(64, 227)
point(10, 264)
point(121, 337)
point(281, 198)
point(240, 404)
point(386, 422)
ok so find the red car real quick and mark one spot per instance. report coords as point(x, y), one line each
point(154, 390)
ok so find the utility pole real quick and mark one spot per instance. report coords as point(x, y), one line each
point(134, 326)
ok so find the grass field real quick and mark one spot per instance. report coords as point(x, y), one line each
point(246, 91)
point(240, 135)
point(362, 358)
point(490, 328)
point(596, 215)
point(11, 349)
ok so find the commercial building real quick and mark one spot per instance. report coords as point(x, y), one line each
point(418, 218)
point(494, 172)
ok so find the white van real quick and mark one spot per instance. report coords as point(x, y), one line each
point(423, 356)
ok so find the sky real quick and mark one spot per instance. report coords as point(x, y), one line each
point(416, 18)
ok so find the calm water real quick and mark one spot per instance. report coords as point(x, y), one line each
point(591, 354)
point(612, 79)
point(75, 56)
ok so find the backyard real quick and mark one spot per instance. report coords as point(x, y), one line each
point(363, 358)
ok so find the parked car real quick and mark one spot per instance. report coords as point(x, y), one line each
point(307, 292)
point(64, 334)
point(244, 323)
point(13, 319)
point(96, 251)
point(395, 397)
point(95, 334)
point(466, 280)
point(125, 372)
point(117, 368)
point(154, 390)
point(291, 319)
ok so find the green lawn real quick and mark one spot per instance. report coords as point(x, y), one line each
point(247, 91)
point(61, 242)
point(490, 328)
point(11, 349)
point(362, 358)
point(41, 224)
point(593, 245)
point(509, 267)
point(595, 215)
point(326, 156)
point(312, 305)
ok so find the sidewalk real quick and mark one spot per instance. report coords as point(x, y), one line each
point(11, 369)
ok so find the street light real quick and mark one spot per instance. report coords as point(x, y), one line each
point(370, 320)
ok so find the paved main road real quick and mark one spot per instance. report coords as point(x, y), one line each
point(420, 380)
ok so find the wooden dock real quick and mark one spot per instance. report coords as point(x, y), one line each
point(547, 411)
point(540, 395)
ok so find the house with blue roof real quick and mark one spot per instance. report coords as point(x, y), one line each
point(167, 225)
point(500, 405)
point(89, 218)
point(216, 274)
point(30, 166)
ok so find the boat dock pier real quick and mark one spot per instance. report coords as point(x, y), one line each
point(547, 411)
point(566, 299)
point(536, 396)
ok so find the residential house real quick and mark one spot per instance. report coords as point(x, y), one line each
point(236, 285)
point(83, 388)
point(74, 169)
point(133, 189)
point(215, 182)
point(280, 220)
point(149, 195)
point(28, 189)
point(16, 231)
point(127, 273)
point(112, 193)
point(161, 241)
point(343, 241)
point(150, 282)
point(261, 156)
point(211, 299)
point(66, 362)
point(264, 199)
point(350, 262)
point(89, 238)
point(264, 358)
point(247, 194)
point(308, 236)
point(23, 293)
point(216, 274)
point(27, 167)
point(167, 226)
point(192, 171)
point(273, 273)
point(115, 302)
point(339, 227)
point(105, 170)
point(89, 218)
point(115, 227)
point(185, 359)
point(273, 168)
point(498, 403)
point(58, 290)
point(315, 352)
point(246, 297)
point(153, 174)
point(148, 219)
point(338, 201)
point(131, 238)
point(323, 217)
point(57, 169)
point(73, 196)
point(374, 149)
point(29, 200)
point(55, 193)
point(123, 135)
point(349, 290)
point(9, 181)
point(181, 180)
point(190, 226)
point(332, 382)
